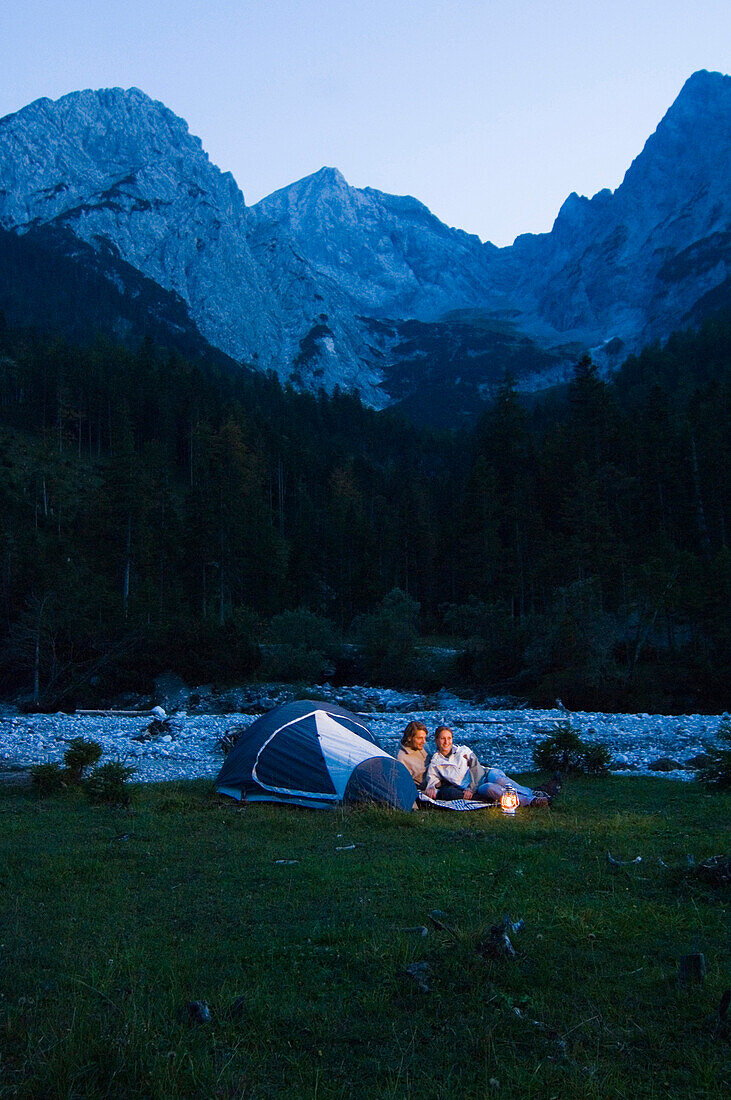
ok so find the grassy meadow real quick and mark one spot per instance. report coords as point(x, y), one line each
point(112, 921)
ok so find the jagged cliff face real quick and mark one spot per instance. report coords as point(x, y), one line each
point(389, 254)
point(324, 282)
point(633, 264)
point(123, 173)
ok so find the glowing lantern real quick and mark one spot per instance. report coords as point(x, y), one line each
point(509, 800)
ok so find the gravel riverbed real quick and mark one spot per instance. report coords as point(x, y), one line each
point(499, 735)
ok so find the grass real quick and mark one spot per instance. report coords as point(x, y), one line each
point(112, 921)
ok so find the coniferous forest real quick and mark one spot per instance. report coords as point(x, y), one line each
point(158, 513)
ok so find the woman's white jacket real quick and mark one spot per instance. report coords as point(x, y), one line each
point(461, 768)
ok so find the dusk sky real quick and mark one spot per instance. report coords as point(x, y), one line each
point(489, 111)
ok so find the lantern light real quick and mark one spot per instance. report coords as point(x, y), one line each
point(509, 800)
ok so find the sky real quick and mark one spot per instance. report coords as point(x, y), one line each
point(489, 111)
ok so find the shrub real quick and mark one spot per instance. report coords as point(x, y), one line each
point(107, 784)
point(571, 651)
point(566, 752)
point(295, 662)
point(717, 772)
point(388, 638)
point(302, 648)
point(79, 755)
point(198, 651)
point(495, 640)
point(303, 627)
point(48, 778)
point(597, 759)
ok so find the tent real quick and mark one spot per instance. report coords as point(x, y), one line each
point(313, 754)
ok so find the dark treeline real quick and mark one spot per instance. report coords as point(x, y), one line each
point(160, 514)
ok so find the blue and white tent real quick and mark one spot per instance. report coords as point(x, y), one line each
point(313, 754)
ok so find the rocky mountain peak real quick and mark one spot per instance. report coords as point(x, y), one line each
point(86, 145)
point(330, 177)
point(318, 279)
point(692, 140)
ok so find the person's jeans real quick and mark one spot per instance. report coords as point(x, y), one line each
point(494, 783)
point(449, 792)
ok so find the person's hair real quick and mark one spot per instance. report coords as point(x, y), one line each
point(407, 737)
point(440, 729)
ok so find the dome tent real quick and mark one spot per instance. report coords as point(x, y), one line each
point(313, 754)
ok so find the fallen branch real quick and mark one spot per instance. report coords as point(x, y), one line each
point(437, 918)
point(622, 862)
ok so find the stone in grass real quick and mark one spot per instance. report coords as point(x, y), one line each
point(419, 971)
point(692, 968)
point(197, 1012)
point(700, 760)
point(439, 920)
point(496, 943)
point(666, 764)
point(716, 870)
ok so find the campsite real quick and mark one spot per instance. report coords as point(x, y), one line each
point(194, 945)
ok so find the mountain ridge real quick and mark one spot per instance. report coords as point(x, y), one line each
point(323, 282)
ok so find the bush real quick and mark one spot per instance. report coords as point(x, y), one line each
point(597, 759)
point(717, 773)
point(107, 784)
point(48, 778)
point(197, 651)
point(388, 638)
point(495, 641)
point(303, 627)
point(565, 752)
point(292, 663)
point(79, 755)
point(571, 651)
point(303, 645)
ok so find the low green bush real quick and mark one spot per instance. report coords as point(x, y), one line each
point(597, 759)
point(565, 752)
point(287, 662)
point(107, 784)
point(388, 639)
point(48, 778)
point(717, 772)
point(79, 755)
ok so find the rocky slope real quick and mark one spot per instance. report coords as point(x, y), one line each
point(389, 254)
point(632, 265)
point(333, 285)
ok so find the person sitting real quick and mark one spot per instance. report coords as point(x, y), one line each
point(412, 752)
point(454, 772)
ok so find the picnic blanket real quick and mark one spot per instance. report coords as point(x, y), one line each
point(457, 803)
